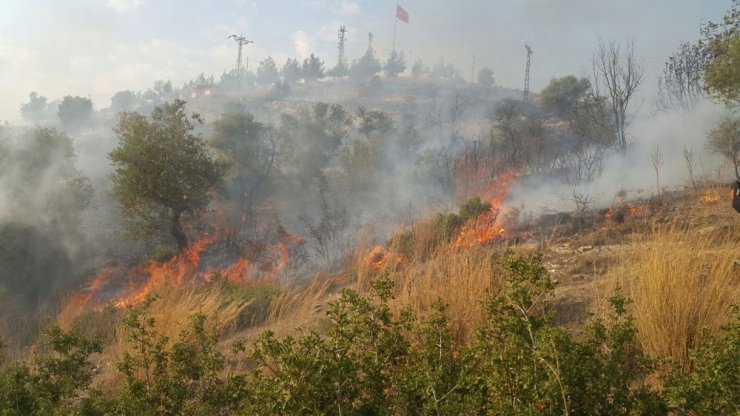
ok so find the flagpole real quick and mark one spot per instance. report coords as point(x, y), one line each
point(395, 24)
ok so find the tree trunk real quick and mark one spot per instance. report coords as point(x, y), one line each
point(178, 233)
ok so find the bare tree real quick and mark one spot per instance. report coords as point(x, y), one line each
point(682, 82)
point(688, 158)
point(656, 158)
point(618, 73)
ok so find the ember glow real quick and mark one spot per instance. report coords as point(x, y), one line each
point(709, 198)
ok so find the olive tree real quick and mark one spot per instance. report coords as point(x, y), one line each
point(164, 171)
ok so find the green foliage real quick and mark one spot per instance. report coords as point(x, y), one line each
point(267, 72)
point(53, 383)
point(366, 359)
point(311, 138)
point(45, 197)
point(347, 371)
point(713, 387)
point(473, 208)
point(312, 68)
point(74, 111)
point(561, 94)
point(721, 43)
point(163, 171)
point(445, 227)
point(724, 139)
point(365, 68)
point(125, 100)
point(250, 149)
point(395, 64)
point(184, 378)
point(35, 108)
point(291, 70)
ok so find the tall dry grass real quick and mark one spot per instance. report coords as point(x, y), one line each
point(683, 280)
point(461, 278)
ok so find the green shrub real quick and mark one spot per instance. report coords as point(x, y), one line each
point(445, 227)
point(713, 387)
point(473, 208)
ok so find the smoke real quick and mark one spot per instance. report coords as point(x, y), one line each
point(633, 172)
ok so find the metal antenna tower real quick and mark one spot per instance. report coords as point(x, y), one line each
point(241, 41)
point(370, 42)
point(340, 34)
point(526, 74)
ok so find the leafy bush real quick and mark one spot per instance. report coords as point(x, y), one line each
point(713, 387)
point(474, 207)
point(369, 360)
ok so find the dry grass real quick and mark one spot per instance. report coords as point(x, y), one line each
point(462, 278)
point(223, 304)
point(683, 280)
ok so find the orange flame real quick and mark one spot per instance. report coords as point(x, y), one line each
point(259, 264)
point(488, 226)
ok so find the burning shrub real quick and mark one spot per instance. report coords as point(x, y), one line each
point(445, 227)
point(473, 208)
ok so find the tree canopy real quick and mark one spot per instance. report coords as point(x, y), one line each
point(163, 170)
point(562, 94)
point(74, 111)
point(722, 45)
point(250, 148)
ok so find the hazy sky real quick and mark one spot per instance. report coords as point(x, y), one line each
point(98, 47)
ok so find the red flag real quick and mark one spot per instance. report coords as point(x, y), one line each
point(402, 14)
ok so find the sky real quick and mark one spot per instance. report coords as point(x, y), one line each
point(94, 48)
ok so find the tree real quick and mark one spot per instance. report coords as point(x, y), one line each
point(721, 42)
point(373, 120)
point(313, 68)
point(250, 147)
point(485, 77)
point(418, 69)
point(74, 111)
point(561, 94)
point(163, 170)
point(395, 64)
point(34, 109)
point(291, 70)
point(725, 140)
point(682, 82)
point(366, 67)
point(124, 101)
point(313, 137)
point(617, 71)
point(267, 72)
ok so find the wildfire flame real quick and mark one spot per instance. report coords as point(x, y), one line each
point(488, 226)
point(380, 257)
point(184, 269)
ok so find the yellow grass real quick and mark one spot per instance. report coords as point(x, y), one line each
point(683, 280)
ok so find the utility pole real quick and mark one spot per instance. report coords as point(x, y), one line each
point(241, 41)
point(340, 34)
point(526, 75)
